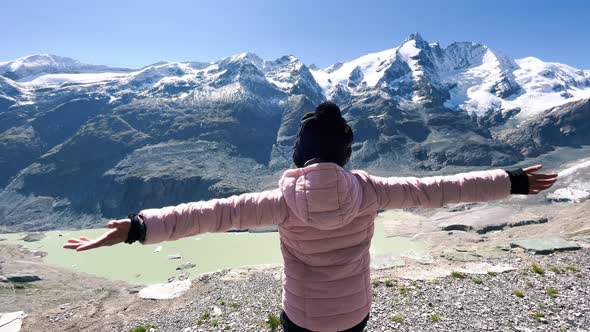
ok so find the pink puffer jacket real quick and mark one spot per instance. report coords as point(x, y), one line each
point(325, 216)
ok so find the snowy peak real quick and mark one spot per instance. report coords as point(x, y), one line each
point(409, 50)
point(241, 59)
point(283, 72)
point(464, 76)
point(158, 74)
point(562, 76)
point(414, 36)
point(461, 55)
point(287, 60)
point(417, 40)
point(371, 67)
point(244, 73)
point(241, 68)
point(41, 61)
point(395, 70)
point(27, 68)
point(291, 76)
point(488, 81)
point(548, 84)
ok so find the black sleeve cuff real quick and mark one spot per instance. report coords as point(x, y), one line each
point(137, 230)
point(519, 182)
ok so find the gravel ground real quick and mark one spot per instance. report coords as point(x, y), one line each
point(557, 300)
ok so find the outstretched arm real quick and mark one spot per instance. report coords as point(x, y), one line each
point(437, 191)
point(175, 222)
point(217, 215)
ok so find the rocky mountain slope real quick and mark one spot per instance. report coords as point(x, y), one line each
point(81, 142)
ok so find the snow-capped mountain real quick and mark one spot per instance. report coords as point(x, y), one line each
point(291, 76)
point(29, 67)
point(464, 76)
point(221, 79)
point(80, 142)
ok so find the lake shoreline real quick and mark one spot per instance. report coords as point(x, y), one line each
point(167, 261)
point(242, 299)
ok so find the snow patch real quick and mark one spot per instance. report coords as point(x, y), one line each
point(572, 169)
point(372, 67)
point(50, 80)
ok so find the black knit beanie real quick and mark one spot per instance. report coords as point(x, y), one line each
point(323, 134)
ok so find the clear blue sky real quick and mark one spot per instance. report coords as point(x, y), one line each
point(137, 33)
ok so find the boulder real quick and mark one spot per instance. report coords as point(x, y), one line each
point(185, 266)
point(461, 255)
point(11, 321)
point(175, 256)
point(183, 276)
point(216, 311)
point(165, 291)
point(33, 237)
point(484, 268)
point(22, 278)
point(485, 219)
point(570, 195)
point(386, 261)
point(545, 245)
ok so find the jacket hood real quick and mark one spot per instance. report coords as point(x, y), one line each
point(323, 196)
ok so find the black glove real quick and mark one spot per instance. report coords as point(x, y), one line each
point(137, 230)
point(519, 182)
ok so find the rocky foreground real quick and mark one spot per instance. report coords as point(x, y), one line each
point(554, 296)
point(489, 270)
point(534, 293)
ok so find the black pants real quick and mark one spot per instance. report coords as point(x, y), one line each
point(289, 326)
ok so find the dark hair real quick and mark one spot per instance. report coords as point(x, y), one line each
point(323, 134)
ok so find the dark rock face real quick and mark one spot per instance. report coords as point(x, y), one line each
point(470, 153)
point(396, 71)
point(565, 125)
point(505, 87)
point(356, 76)
point(282, 151)
point(494, 118)
point(87, 169)
point(175, 172)
point(61, 122)
point(19, 146)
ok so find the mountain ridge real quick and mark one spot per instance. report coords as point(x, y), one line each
point(84, 144)
point(569, 83)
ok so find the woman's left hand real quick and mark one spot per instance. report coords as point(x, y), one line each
point(119, 229)
point(539, 181)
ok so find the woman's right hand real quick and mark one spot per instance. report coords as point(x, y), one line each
point(119, 229)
